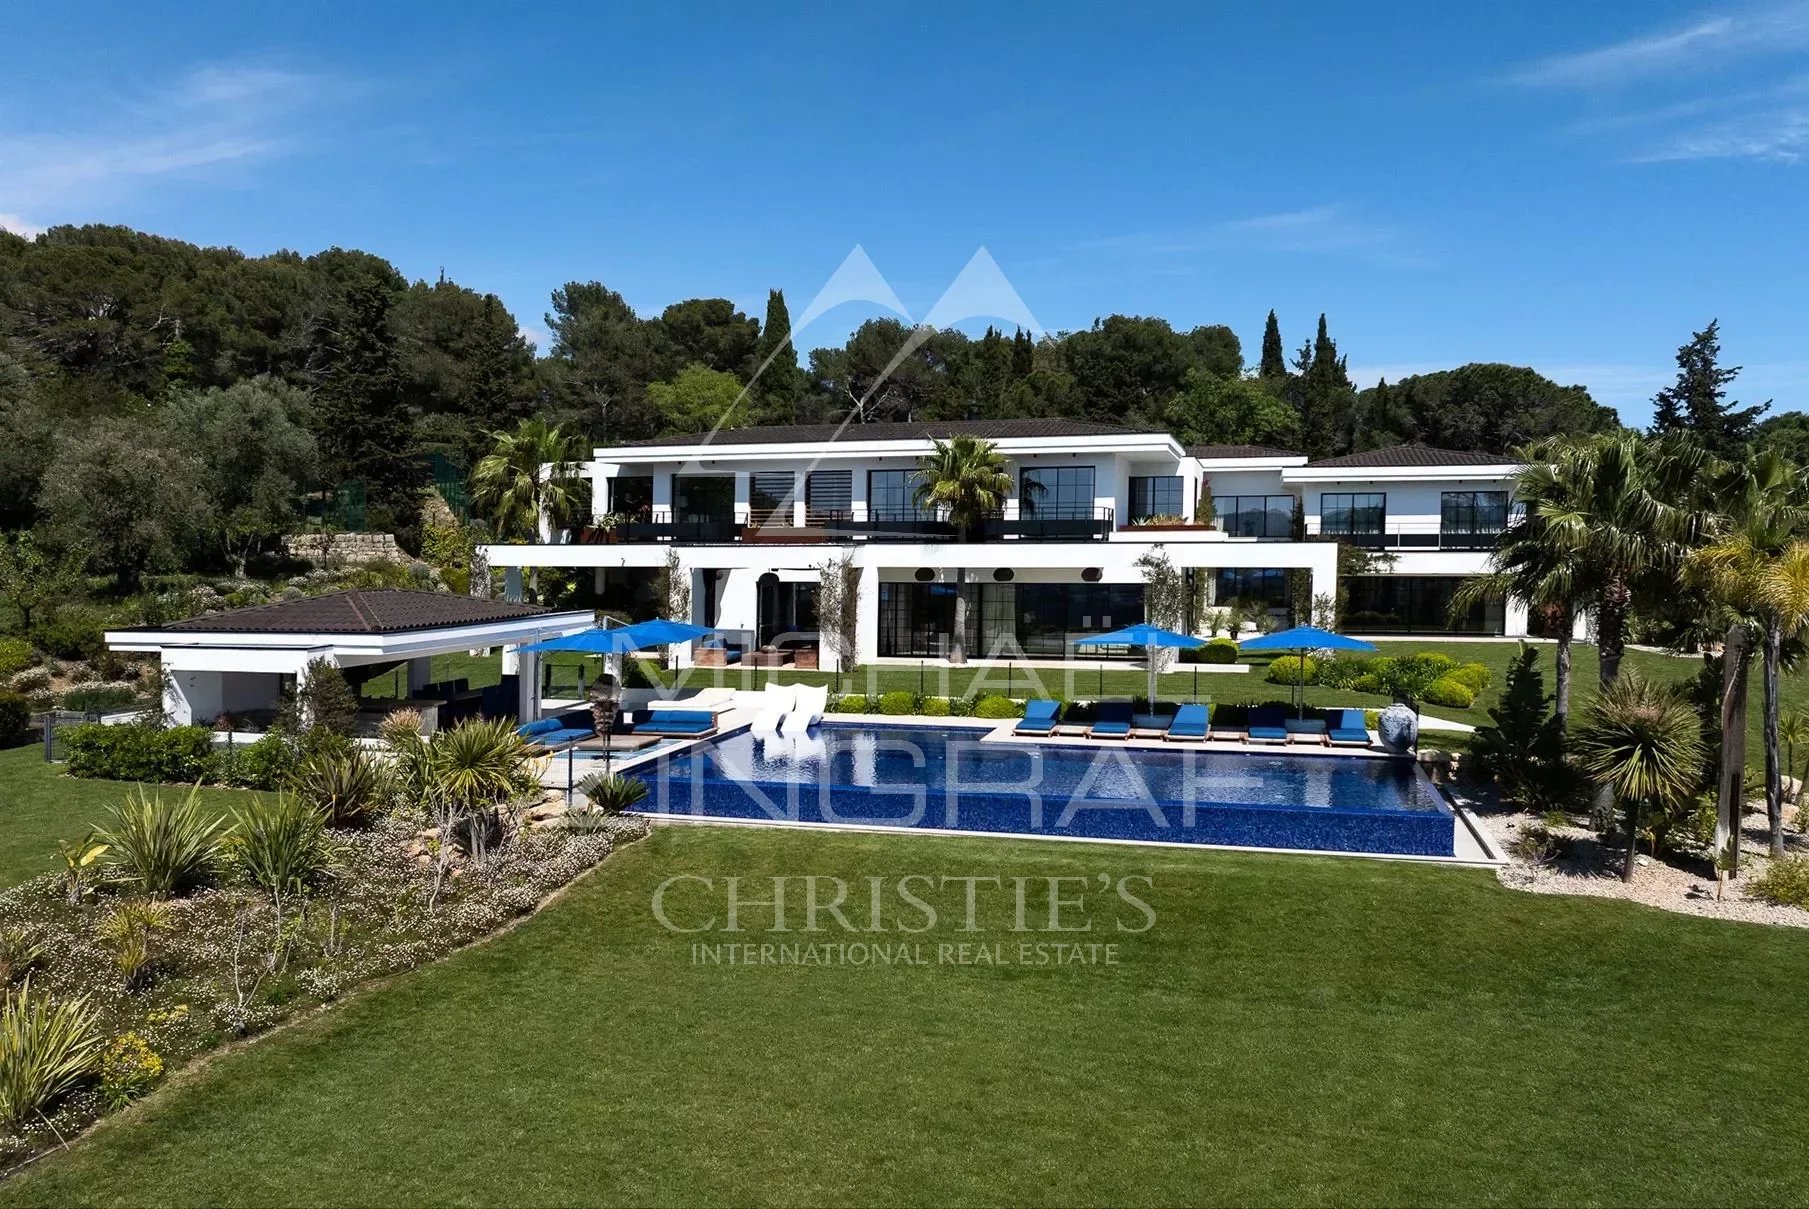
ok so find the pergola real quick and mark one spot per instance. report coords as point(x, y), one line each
point(240, 661)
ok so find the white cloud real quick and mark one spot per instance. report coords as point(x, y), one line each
point(1709, 42)
point(1324, 229)
point(210, 117)
point(541, 340)
point(1779, 134)
point(18, 226)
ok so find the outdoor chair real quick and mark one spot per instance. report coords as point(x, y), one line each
point(1111, 720)
point(1348, 729)
point(1039, 718)
point(1192, 722)
point(1268, 724)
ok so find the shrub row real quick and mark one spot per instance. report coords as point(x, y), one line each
point(1455, 686)
point(900, 703)
point(174, 755)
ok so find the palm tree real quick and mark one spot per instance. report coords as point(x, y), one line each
point(968, 480)
point(1643, 743)
point(1793, 729)
point(528, 475)
point(1528, 565)
point(1759, 571)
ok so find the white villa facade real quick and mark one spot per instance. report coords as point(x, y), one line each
point(753, 515)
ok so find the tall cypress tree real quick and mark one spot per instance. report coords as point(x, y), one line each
point(1023, 355)
point(780, 385)
point(364, 427)
point(1324, 397)
point(1274, 364)
point(1698, 404)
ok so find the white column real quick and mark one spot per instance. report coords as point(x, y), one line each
point(1514, 617)
point(527, 696)
point(867, 628)
point(744, 499)
point(512, 585)
point(420, 673)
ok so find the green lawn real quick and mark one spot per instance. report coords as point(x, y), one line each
point(39, 806)
point(1290, 1031)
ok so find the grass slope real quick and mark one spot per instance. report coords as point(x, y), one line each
point(39, 806)
point(1292, 1030)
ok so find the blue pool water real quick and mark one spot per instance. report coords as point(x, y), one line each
point(899, 776)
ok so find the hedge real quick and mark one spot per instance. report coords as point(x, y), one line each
point(1293, 669)
point(15, 719)
point(900, 702)
point(1449, 690)
point(1473, 676)
point(849, 703)
point(997, 707)
point(267, 764)
point(177, 755)
point(934, 707)
point(15, 655)
point(1219, 650)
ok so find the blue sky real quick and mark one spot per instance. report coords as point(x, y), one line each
point(1574, 187)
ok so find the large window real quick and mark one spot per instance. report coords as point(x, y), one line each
point(1040, 620)
point(704, 497)
point(631, 495)
point(892, 496)
point(1270, 516)
point(1057, 492)
point(769, 497)
point(1343, 514)
point(1266, 586)
point(1471, 517)
point(828, 496)
point(1413, 604)
point(1156, 495)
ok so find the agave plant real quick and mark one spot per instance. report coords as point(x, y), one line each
point(46, 1049)
point(611, 793)
point(348, 789)
point(281, 846)
point(164, 847)
point(129, 933)
point(1643, 741)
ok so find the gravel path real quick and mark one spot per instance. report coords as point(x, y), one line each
point(1675, 882)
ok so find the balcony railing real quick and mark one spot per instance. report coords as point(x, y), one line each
point(838, 526)
point(1410, 537)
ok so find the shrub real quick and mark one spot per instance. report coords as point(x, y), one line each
point(1785, 883)
point(1342, 670)
point(637, 673)
point(1474, 676)
point(480, 763)
point(21, 948)
point(15, 656)
point(997, 707)
point(31, 680)
point(15, 719)
point(72, 633)
point(128, 1069)
point(1535, 844)
point(46, 1050)
point(611, 793)
point(267, 764)
point(135, 752)
point(164, 847)
point(346, 790)
point(1448, 691)
point(1293, 669)
point(99, 697)
point(898, 703)
point(1219, 650)
point(849, 703)
point(129, 933)
point(280, 845)
point(934, 707)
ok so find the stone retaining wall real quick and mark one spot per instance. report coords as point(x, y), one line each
point(344, 547)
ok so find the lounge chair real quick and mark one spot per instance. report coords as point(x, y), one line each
point(1111, 720)
point(713, 701)
point(1305, 730)
point(808, 703)
point(776, 701)
point(557, 731)
point(1192, 722)
point(1039, 718)
point(678, 724)
point(1348, 729)
point(1268, 724)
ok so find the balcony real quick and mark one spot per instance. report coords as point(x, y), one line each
point(1410, 535)
point(839, 526)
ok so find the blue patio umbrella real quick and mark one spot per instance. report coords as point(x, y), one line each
point(660, 632)
point(1300, 639)
point(595, 641)
point(1144, 635)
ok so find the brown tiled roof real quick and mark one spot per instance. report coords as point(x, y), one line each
point(1240, 451)
point(1418, 455)
point(358, 611)
point(819, 434)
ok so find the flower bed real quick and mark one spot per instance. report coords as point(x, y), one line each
point(156, 982)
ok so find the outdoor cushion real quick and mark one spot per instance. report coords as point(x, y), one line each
point(539, 726)
point(1348, 727)
point(1304, 726)
point(1038, 719)
point(678, 722)
point(1191, 722)
point(1112, 720)
point(1268, 725)
point(563, 735)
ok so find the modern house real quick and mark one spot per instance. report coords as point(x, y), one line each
point(750, 517)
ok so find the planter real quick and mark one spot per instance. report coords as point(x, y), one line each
point(766, 658)
point(804, 657)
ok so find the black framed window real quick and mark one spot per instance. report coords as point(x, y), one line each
point(1155, 495)
point(828, 496)
point(1270, 516)
point(1414, 604)
point(704, 497)
point(1352, 514)
point(1472, 514)
point(631, 495)
point(892, 496)
point(769, 497)
point(1252, 585)
point(1056, 492)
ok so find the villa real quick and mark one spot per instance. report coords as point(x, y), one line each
point(752, 516)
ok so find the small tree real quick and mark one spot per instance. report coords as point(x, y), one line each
point(1642, 742)
point(33, 576)
point(838, 609)
point(1164, 604)
point(324, 703)
point(1523, 747)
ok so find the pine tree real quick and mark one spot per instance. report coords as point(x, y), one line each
point(1273, 365)
point(1698, 405)
point(1023, 355)
point(780, 385)
point(364, 429)
point(1523, 746)
point(1323, 396)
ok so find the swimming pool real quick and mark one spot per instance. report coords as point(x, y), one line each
point(900, 776)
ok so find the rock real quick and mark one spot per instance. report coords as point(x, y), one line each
point(1398, 727)
point(547, 810)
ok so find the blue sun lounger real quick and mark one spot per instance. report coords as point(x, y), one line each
point(1191, 722)
point(1348, 728)
point(1111, 720)
point(1268, 724)
point(1039, 718)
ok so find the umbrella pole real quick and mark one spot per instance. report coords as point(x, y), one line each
point(1102, 679)
point(1300, 685)
point(1196, 684)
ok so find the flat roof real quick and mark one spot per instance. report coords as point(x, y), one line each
point(356, 611)
point(914, 430)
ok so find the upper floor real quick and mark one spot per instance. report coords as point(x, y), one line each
point(1070, 481)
